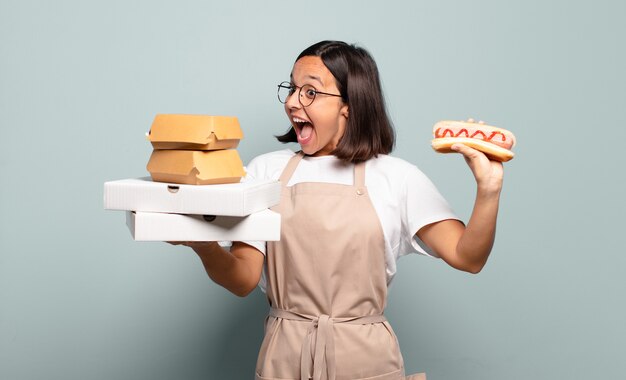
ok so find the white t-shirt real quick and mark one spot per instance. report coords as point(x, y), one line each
point(403, 197)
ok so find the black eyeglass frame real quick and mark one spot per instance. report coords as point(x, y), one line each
point(292, 87)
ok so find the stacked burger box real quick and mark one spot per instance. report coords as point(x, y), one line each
point(196, 192)
point(195, 149)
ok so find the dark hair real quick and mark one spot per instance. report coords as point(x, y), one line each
point(369, 131)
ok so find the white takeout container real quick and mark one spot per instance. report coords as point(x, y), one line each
point(150, 226)
point(232, 199)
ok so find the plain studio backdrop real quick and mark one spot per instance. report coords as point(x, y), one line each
point(81, 81)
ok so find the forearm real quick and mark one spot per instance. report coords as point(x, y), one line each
point(477, 240)
point(227, 269)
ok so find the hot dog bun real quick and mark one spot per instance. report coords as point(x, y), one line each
point(495, 142)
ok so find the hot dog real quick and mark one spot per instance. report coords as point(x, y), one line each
point(495, 142)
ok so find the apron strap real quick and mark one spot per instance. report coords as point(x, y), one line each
point(321, 328)
point(359, 175)
point(290, 168)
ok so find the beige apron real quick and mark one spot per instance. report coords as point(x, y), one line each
point(327, 287)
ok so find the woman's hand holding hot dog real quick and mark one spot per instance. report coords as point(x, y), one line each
point(488, 173)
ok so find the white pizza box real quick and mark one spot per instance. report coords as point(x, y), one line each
point(231, 199)
point(153, 226)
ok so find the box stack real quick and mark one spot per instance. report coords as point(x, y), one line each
point(196, 192)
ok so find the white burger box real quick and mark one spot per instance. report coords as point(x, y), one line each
point(231, 199)
point(151, 226)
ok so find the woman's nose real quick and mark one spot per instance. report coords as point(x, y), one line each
point(293, 100)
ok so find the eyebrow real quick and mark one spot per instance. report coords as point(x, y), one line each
point(316, 79)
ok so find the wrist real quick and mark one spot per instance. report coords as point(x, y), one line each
point(489, 192)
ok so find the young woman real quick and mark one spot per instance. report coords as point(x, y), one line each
point(348, 212)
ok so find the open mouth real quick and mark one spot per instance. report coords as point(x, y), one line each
point(303, 128)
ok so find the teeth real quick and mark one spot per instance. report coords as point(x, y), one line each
point(297, 120)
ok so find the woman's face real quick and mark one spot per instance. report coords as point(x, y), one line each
point(321, 125)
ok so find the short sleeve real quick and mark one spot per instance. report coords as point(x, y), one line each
point(424, 205)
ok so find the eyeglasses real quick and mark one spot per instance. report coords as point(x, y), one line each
point(306, 93)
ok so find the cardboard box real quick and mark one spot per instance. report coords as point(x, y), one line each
point(235, 199)
point(195, 167)
point(152, 226)
point(195, 132)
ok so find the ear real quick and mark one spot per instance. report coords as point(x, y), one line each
point(344, 111)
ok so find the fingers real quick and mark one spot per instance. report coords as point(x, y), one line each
point(472, 120)
point(465, 150)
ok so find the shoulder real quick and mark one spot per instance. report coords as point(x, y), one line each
point(396, 178)
point(268, 165)
point(394, 168)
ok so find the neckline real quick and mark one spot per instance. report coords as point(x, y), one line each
point(292, 164)
point(320, 158)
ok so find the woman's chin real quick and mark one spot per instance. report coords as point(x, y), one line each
point(308, 150)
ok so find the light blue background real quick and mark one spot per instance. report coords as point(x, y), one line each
point(80, 82)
